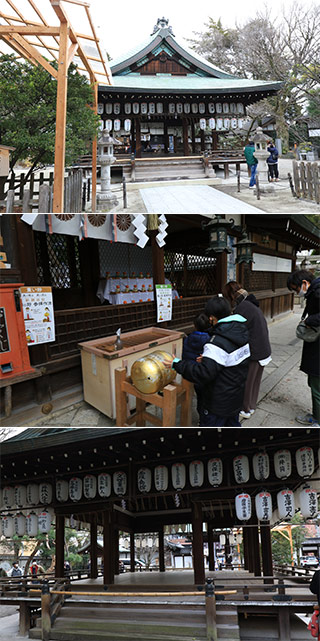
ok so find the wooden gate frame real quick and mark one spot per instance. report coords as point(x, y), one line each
point(16, 37)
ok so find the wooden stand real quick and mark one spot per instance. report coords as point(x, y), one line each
point(172, 395)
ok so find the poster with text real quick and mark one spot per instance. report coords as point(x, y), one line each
point(164, 302)
point(38, 314)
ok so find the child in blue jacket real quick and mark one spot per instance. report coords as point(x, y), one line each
point(193, 346)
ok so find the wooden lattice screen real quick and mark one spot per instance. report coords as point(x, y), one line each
point(192, 275)
point(58, 260)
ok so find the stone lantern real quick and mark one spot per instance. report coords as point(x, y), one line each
point(261, 154)
point(106, 198)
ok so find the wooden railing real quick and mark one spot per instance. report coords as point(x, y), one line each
point(306, 180)
point(36, 193)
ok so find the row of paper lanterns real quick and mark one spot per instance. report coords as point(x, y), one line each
point(212, 123)
point(90, 485)
point(33, 523)
point(151, 108)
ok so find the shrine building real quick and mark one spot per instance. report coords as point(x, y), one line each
point(164, 96)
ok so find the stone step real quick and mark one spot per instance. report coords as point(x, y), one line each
point(89, 635)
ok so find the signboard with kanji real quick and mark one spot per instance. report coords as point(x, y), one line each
point(38, 314)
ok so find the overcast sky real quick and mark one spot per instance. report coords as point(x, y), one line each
point(122, 25)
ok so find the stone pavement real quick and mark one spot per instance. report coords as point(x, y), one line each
point(190, 198)
point(284, 391)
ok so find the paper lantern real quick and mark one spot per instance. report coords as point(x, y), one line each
point(222, 539)
point(31, 524)
point(120, 483)
point(286, 506)
point(219, 124)
point(234, 123)
point(215, 471)
point(241, 468)
point(135, 107)
point(261, 466)
point(305, 462)
point(108, 125)
point(203, 123)
point(243, 507)
point(196, 473)
point(32, 494)
point(178, 475)
point(8, 496)
point(19, 524)
point(144, 478)
point(159, 108)
point(225, 108)
point(7, 526)
point(226, 123)
point(194, 108)
point(127, 124)
point(108, 108)
point(308, 503)
point(127, 107)
point(100, 109)
point(218, 107)
point(75, 488)
point(211, 108)
point(240, 108)
point(104, 485)
point(212, 123)
point(45, 493)
point(62, 491)
point(172, 107)
point(20, 495)
point(202, 108)
point(161, 478)
point(187, 107)
point(117, 124)
point(282, 464)
point(263, 503)
point(44, 522)
point(116, 108)
point(89, 486)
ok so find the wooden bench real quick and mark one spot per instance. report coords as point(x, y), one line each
point(7, 383)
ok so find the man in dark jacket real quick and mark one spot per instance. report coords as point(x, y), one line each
point(305, 284)
point(222, 370)
point(272, 162)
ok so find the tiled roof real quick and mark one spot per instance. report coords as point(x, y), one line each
point(190, 83)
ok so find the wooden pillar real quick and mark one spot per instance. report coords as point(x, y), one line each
point(94, 149)
point(166, 138)
point(221, 271)
point(246, 552)
point(116, 553)
point(138, 138)
point(59, 569)
point(108, 547)
point(202, 140)
point(132, 553)
point(214, 140)
point(157, 259)
point(133, 136)
point(266, 550)
point(254, 550)
point(193, 137)
point(197, 544)
point(24, 619)
point(93, 548)
point(162, 566)
point(185, 137)
point(61, 119)
point(210, 546)
point(284, 624)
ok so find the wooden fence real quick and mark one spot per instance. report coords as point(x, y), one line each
point(306, 180)
point(36, 193)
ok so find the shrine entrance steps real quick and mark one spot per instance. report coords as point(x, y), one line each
point(162, 169)
point(143, 620)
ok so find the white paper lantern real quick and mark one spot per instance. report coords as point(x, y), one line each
point(180, 108)
point(75, 488)
point(44, 522)
point(241, 468)
point(243, 507)
point(286, 506)
point(240, 108)
point(233, 107)
point(8, 496)
point(127, 124)
point(194, 108)
point(117, 125)
point(219, 123)
point(135, 107)
point(144, 478)
point(19, 524)
point(187, 107)
point(203, 123)
point(7, 526)
point(32, 494)
point(219, 108)
point(263, 503)
point(116, 108)
point(196, 473)
point(178, 475)
point(234, 123)
point(20, 495)
point(226, 123)
point(62, 491)
point(152, 108)
point(215, 471)
point(127, 107)
point(305, 462)
point(100, 109)
point(282, 464)
point(222, 539)
point(212, 123)
point(108, 125)
point(120, 483)
point(45, 493)
point(161, 478)
point(202, 108)
point(211, 108)
point(109, 108)
point(308, 500)
point(104, 485)
point(172, 107)
point(31, 524)
point(89, 486)
point(240, 123)
point(159, 107)
point(261, 466)
point(225, 108)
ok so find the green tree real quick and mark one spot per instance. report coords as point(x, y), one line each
point(28, 113)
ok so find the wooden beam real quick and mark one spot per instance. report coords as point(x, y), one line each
point(71, 53)
point(59, 569)
point(94, 147)
point(30, 30)
point(61, 120)
point(30, 53)
point(197, 544)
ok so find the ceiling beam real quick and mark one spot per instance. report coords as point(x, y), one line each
point(31, 52)
point(30, 30)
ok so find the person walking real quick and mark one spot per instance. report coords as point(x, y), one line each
point(222, 369)
point(272, 162)
point(251, 162)
point(305, 284)
point(260, 349)
point(193, 346)
point(16, 570)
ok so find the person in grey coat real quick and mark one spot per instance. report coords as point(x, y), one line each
point(260, 348)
